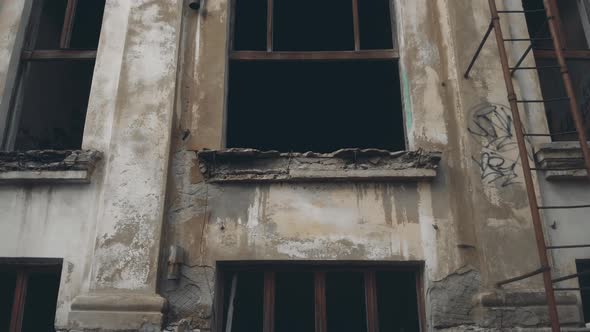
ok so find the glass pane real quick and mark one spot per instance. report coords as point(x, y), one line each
point(87, 24)
point(7, 284)
point(50, 24)
point(54, 101)
point(397, 304)
point(40, 302)
point(313, 25)
point(375, 24)
point(294, 302)
point(250, 25)
point(345, 302)
point(248, 302)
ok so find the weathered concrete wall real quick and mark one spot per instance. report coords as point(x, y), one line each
point(473, 214)
point(151, 107)
point(108, 232)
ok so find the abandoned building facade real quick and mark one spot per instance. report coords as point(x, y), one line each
point(243, 165)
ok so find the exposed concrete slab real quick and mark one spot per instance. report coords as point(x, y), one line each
point(250, 165)
point(566, 155)
point(48, 166)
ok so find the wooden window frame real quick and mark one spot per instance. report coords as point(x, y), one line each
point(578, 54)
point(23, 269)
point(30, 54)
point(271, 55)
point(319, 271)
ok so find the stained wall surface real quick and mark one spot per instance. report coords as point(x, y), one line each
point(158, 96)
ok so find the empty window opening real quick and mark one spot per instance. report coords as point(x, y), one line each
point(375, 25)
point(317, 76)
point(313, 25)
point(315, 106)
point(250, 25)
point(28, 297)
point(573, 36)
point(584, 282)
point(294, 301)
point(49, 106)
point(345, 302)
point(7, 287)
point(294, 298)
point(245, 311)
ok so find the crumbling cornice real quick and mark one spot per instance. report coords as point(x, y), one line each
point(59, 166)
point(251, 165)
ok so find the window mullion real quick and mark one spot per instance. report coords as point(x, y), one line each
point(371, 302)
point(66, 32)
point(18, 304)
point(269, 302)
point(355, 21)
point(320, 301)
point(269, 25)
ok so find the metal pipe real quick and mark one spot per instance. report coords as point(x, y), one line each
point(569, 88)
point(528, 178)
point(479, 48)
point(522, 277)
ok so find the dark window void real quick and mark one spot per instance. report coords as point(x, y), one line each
point(558, 113)
point(345, 302)
point(28, 297)
point(571, 24)
point(294, 302)
point(396, 294)
point(313, 25)
point(7, 285)
point(54, 101)
point(50, 24)
point(375, 24)
point(247, 305)
point(40, 302)
point(87, 24)
point(584, 282)
point(250, 25)
point(315, 106)
point(305, 298)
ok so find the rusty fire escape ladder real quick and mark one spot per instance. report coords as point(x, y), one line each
point(520, 134)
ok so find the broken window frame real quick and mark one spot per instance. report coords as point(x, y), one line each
point(319, 271)
point(30, 54)
point(271, 55)
point(24, 268)
point(569, 53)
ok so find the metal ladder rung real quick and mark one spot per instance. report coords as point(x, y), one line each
point(526, 39)
point(551, 135)
point(521, 11)
point(570, 276)
point(541, 169)
point(528, 68)
point(571, 289)
point(558, 207)
point(524, 276)
point(569, 246)
point(550, 100)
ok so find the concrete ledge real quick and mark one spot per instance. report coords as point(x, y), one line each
point(565, 155)
point(47, 166)
point(117, 312)
point(250, 165)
